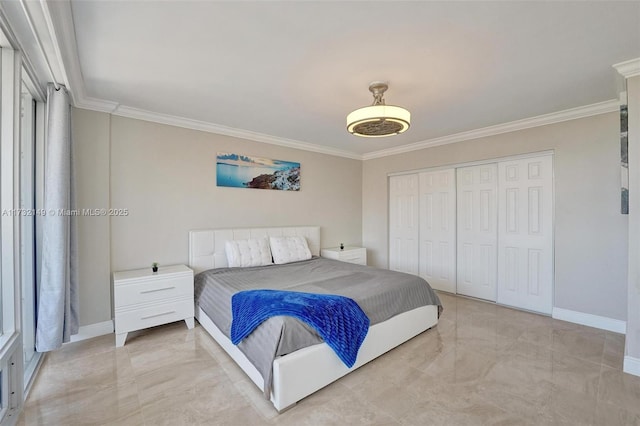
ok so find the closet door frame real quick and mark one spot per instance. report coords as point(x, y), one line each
point(473, 163)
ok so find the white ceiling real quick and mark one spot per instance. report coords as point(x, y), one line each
point(295, 69)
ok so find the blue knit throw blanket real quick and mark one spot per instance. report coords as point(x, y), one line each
point(337, 319)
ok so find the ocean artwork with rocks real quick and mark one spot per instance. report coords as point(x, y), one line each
point(242, 171)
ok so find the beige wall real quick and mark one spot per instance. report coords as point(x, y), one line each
point(165, 177)
point(91, 144)
point(590, 232)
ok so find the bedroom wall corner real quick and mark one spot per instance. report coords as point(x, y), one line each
point(91, 143)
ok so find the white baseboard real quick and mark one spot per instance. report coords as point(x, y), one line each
point(590, 320)
point(631, 365)
point(93, 330)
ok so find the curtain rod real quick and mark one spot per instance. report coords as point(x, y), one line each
point(35, 34)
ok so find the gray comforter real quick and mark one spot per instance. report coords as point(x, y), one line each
point(380, 293)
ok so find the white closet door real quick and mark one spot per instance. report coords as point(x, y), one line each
point(438, 229)
point(477, 233)
point(403, 223)
point(525, 228)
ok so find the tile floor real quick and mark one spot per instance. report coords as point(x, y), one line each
point(483, 364)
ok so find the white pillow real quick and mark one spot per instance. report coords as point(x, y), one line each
point(289, 249)
point(243, 253)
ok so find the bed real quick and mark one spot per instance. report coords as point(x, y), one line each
point(297, 374)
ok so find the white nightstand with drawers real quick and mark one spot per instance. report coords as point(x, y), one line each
point(356, 255)
point(145, 299)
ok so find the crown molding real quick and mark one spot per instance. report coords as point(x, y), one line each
point(59, 20)
point(541, 120)
point(628, 69)
point(95, 104)
point(140, 114)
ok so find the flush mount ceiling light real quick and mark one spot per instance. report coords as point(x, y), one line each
point(378, 120)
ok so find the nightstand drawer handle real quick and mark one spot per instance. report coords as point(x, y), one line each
point(157, 289)
point(159, 315)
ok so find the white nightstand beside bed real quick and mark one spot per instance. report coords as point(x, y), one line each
point(144, 299)
point(357, 255)
point(300, 373)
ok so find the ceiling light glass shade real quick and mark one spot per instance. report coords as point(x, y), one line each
point(377, 121)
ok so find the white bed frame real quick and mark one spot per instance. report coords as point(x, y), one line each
point(307, 370)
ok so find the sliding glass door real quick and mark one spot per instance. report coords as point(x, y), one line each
point(29, 131)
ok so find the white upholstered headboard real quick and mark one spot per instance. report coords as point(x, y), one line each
point(206, 246)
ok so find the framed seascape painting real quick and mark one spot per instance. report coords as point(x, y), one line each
point(242, 171)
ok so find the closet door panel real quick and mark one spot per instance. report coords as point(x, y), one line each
point(477, 231)
point(437, 229)
point(403, 223)
point(525, 231)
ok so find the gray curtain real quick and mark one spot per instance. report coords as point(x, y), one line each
point(57, 317)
